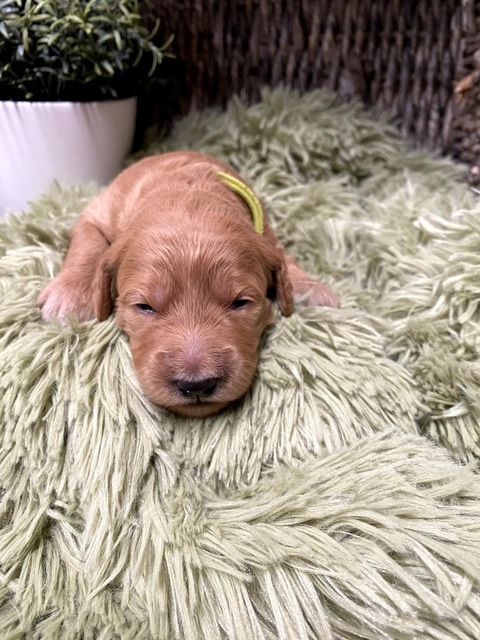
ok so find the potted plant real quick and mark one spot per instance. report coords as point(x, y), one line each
point(70, 72)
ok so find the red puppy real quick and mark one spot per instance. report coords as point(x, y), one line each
point(174, 243)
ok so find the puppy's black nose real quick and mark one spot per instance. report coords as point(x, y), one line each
point(193, 388)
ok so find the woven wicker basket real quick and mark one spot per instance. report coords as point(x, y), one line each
point(418, 58)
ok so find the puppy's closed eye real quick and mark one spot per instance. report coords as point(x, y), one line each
point(144, 308)
point(239, 303)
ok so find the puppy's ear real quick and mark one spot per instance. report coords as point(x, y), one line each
point(282, 285)
point(102, 294)
point(283, 288)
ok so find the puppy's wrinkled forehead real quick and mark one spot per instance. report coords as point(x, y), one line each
point(193, 260)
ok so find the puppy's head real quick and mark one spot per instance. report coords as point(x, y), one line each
point(194, 308)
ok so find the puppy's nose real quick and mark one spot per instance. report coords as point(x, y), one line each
point(204, 387)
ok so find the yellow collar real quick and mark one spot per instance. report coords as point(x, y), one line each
point(247, 194)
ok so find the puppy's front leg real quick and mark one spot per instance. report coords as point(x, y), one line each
point(70, 293)
point(304, 286)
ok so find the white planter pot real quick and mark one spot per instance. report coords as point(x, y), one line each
point(71, 142)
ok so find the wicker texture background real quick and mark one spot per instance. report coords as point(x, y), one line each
point(419, 58)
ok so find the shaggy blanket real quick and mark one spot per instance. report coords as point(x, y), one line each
point(341, 498)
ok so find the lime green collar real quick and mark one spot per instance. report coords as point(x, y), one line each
point(246, 194)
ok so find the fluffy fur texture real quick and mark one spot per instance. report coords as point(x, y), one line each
point(340, 499)
point(191, 278)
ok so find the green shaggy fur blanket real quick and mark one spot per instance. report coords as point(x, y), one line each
point(341, 498)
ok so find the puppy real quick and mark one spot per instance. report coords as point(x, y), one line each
point(180, 246)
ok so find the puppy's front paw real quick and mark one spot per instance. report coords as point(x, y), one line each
point(314, 293)
point(63, 298)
